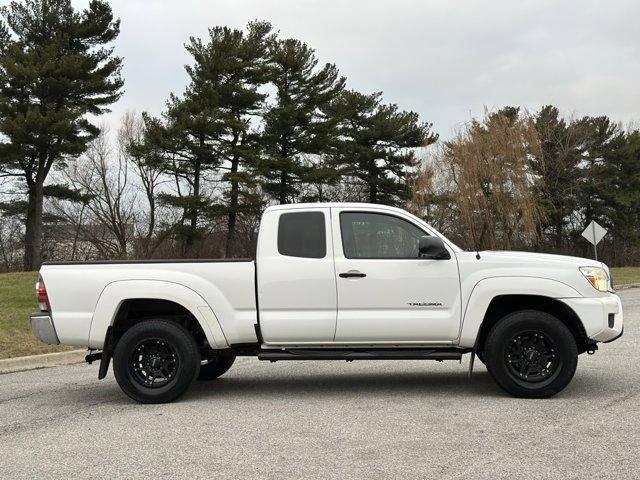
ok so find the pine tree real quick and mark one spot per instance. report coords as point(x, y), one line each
point(620, 194)
point(295, 124)
point(610, 187)
point(375, 144)
point(55, 68)
point(601, 137)
point(562, 148)
point(226, 79)
point(182, 143)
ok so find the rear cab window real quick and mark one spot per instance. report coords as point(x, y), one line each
point(302, 234)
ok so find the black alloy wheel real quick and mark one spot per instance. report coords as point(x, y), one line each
point(531, 354)
point(156, 361)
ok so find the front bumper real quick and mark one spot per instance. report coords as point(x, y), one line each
point(43, 328)
point(602, 317)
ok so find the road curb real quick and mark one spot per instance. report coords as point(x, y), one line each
point(31, 362)
point(627, 286)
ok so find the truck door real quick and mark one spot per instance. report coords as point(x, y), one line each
point(297, 298)
point(386, 293)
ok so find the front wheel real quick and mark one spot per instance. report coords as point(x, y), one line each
point(531, 354)
point(156, 361)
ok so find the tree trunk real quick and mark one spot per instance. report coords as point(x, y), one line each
point(33, 232)
point(559, 228)
point(373, 194)
point(233, 210)
point(284, 154)
point(193, 213)
point(373, 187)
point(283, 187)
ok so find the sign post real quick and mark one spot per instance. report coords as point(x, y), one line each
point(594, 233)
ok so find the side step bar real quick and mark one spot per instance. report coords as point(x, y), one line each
point(438, 354)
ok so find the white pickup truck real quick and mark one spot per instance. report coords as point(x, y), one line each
point(339, 281)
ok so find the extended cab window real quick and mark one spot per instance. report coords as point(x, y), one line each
point(376, 235)
point(302, 234)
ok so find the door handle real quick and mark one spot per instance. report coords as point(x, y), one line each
point(353, 274)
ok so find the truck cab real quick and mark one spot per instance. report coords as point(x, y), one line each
point(354, 275)
point(333, 281)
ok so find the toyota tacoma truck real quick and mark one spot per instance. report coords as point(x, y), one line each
point(338, 281)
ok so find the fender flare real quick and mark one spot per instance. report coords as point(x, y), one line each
point(115, 293)
point(487, 289)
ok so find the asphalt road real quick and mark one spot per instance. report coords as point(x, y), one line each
point(387, 419)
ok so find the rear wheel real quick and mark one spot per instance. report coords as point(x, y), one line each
point(156, 361)
point(217, 366)
point(531, 354)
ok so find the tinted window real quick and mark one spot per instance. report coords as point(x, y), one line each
point(375, 235)
point(302, 235)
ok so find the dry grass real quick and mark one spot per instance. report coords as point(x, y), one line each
point(17, 301)
point(625, 275)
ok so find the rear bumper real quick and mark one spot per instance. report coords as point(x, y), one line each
point(43, 328)
point(602, 317)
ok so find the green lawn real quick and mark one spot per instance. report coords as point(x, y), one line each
point(625, 275)
point(17, 301)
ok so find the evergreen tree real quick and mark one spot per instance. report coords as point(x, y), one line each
point(182, 144)
point(225, 79)
point(601, 137)
point(375, 144)
point(620, 180)
point(562, 149)
point(55, 68)
point(295, 125)
point(610, 189)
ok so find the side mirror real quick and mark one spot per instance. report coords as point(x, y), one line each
point(432, 248)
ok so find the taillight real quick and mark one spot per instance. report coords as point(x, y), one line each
point(41, 295)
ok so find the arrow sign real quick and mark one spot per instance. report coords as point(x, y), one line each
point(594, 233)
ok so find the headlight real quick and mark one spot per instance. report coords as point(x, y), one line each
point(597, 277)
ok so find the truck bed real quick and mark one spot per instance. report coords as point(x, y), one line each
point(86, 296)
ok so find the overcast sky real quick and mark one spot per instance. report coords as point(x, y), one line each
point(445, 59)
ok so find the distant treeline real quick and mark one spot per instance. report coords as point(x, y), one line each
point(534, 181)
point(262, 122)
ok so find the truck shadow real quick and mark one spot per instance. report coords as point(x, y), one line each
point(347, 384)
point(243, 386)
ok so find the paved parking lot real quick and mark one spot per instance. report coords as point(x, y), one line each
point(339, 420)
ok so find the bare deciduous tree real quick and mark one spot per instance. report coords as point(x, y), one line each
point(489, 163)
point(483, 191)
point(150, 176)
point(106, 215)
point(432, 194)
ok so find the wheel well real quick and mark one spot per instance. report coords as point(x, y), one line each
point(136, 310)
point(502, 305)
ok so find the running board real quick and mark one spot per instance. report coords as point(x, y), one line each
point(438, 354)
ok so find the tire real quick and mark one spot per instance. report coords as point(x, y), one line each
point(531, 354)
point(156, 361)
point(216, 367)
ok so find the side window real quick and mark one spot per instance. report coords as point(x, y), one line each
point(376, 235)
point(302, 234)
